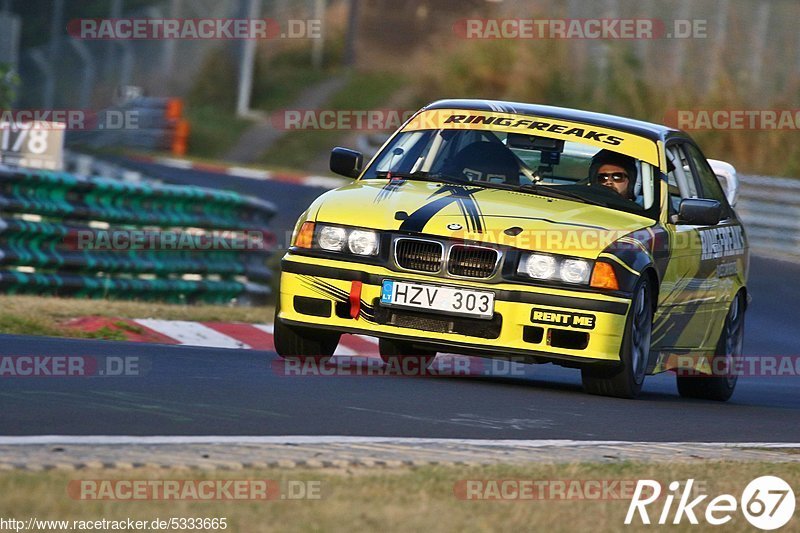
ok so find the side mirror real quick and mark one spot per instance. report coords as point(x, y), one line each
point(699, 212)
point(728, 178)
point(346, 162)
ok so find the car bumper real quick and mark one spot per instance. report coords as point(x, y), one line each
point(316, 293)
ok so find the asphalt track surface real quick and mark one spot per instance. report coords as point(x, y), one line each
point(202, 391)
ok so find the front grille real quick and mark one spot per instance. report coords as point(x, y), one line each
point(413, 254)
point(434, 323)
point(472, 262)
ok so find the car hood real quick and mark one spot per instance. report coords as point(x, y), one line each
point(520, 219)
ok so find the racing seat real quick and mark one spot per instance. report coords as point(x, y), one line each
point(485, 161)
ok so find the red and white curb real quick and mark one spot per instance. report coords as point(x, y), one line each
point(324, 182)
point(224, 335)
point(228, 335)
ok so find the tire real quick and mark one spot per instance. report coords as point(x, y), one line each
point(403, 355)
point(292, 342)
point(625, 379)
point(729, 348)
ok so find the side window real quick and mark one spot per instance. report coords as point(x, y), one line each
point(680, 180)
point(674, 192)
point(709, 184)
point(691, 181)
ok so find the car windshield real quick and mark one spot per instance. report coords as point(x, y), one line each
point(531, 163)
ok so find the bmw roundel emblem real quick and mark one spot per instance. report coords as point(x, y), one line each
point(454, 227)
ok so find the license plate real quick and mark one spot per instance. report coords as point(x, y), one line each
point(448, 300)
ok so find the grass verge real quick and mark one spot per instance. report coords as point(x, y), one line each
point(363, 91)
point(213, 130)
point(35, 315)
point(280, 76)
point(420, 499)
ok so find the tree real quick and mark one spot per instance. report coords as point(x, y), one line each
point(9, 83)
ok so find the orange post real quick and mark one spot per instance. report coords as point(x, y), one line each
point(181, 140)
point(174, 109)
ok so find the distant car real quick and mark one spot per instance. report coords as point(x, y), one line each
point(479, 229)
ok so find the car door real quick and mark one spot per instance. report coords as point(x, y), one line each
point(725, 241)
point(689, 290)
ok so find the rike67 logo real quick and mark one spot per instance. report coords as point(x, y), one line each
point(767, 503)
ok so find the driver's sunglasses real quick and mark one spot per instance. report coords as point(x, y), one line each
point(617, 177)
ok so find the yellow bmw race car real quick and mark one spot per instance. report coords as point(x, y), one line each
point(533, 233)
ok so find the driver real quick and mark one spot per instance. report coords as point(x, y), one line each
point(615, 171)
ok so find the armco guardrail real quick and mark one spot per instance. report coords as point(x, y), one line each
point(142, 123)
point(96, 237)
point(770, 209)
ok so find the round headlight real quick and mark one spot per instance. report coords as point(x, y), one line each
point(575, 271)
point(540, 266)
point(332, 238)
point(363, 242)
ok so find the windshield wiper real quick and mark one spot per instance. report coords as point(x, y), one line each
point(553, 192)
point(383, 174)
point(444, 178)
point(420, 175)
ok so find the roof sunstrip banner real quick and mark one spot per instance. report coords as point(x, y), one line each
point(594, 135)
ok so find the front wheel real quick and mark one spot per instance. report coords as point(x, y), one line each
point(625, 380)
point(729, 349)
point(302, 343)
point(403, 355)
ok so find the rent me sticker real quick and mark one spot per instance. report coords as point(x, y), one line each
point(562, 318)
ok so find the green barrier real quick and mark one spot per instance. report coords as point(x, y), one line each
point(97, 287)
point(66, 196)
point(57, 236)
